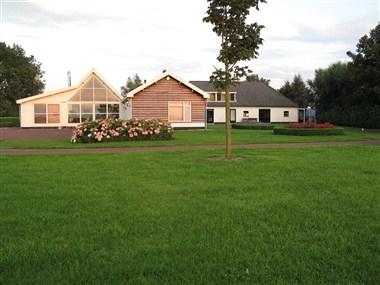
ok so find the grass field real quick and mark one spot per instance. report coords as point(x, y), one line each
point(214, 135)
point(273, 216)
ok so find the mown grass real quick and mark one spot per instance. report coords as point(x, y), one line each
point(214, 135)
point(274, 216)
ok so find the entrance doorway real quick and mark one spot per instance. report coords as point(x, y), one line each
point(233, 116)
point(264, 115)
point(210, 116)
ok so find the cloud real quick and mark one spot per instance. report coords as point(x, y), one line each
point(120, 38)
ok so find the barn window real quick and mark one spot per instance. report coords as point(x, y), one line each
point(179, 111)
point(286, 114)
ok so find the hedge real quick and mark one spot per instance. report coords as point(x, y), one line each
point(9, 122)
point(256, 126)
point(121, 130)
point(308, 131)
point(361, 117)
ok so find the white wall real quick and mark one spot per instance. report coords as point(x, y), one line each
point(277, 114)
point(27, 110)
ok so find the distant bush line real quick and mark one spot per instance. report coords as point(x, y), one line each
point(362, 117)
point(9, 122)
point(308, 131)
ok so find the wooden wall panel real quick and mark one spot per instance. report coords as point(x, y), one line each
point(152, 102)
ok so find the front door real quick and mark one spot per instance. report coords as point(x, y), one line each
point(210, 116)
point(264, 115)
point(233, 116)
point(301, 115)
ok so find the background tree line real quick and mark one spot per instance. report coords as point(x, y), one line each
point(345, 93)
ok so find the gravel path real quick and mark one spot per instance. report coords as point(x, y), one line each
point(176, 148)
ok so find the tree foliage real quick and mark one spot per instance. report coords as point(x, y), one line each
point(298, 91)
point(240, 41)
point(20, 76)
point(349, 93)
point(132, 83)
point(255, 77)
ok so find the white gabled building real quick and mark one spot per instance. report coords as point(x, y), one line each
point(250, 100)
point(91, 98)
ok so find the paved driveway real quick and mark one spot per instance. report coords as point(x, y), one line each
point(19, 134)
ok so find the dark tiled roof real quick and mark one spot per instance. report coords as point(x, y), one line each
point(250, 94)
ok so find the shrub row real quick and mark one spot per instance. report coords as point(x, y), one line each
point(256, 126)
point(362, 117)
point(308, 131)
point(9, 122)
point(120, 130)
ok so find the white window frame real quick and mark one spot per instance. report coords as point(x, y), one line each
point(46, 113)
point(182, 104)
point(93, 102)
point(222, 93)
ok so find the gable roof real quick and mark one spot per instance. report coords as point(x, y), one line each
point(132, 93)
point(250, 94)
point(72, 88)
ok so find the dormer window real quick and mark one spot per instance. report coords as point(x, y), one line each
point(220, 97)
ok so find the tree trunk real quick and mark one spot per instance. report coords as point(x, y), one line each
point(228, 119)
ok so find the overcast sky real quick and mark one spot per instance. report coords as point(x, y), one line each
point(120, 38)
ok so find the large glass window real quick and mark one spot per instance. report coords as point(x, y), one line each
point(100, 111)
point(87, 112)
point(53, 113)
point(93, 101)
point(74, 113)
point(40, 113)
point(46, 114)
point(179, 111)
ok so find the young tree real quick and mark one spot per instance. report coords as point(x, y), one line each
point(132, 83)
point(255, 77)
point(20, 76)
point(239, 42)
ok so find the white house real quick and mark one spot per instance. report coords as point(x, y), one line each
point(250, 100)
point(92, 98)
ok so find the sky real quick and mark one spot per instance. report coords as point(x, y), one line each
point(121, 37)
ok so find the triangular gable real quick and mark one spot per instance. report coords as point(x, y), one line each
point(132, 93)
point(73, 88)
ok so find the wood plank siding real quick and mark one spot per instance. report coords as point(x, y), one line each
point(152, 102)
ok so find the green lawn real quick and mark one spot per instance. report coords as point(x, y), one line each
point(214, 135)
point(274, 216)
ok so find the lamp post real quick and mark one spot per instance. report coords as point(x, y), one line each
point(309, 113)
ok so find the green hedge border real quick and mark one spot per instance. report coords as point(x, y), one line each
point(253, 126)
point(9, 122)
point(308, 131)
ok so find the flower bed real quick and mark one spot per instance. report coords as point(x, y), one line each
point(311, 125)
point(118, 130)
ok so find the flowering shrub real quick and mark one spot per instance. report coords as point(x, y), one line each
point(311, 125)
point(117, 130)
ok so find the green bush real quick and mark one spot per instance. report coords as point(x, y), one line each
point(9, 122)
point(256, 126)
point(121, 130)
point(361, 117)
point(308, 131)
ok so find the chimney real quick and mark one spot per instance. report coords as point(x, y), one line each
point(144, 81)
point(69, 78)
